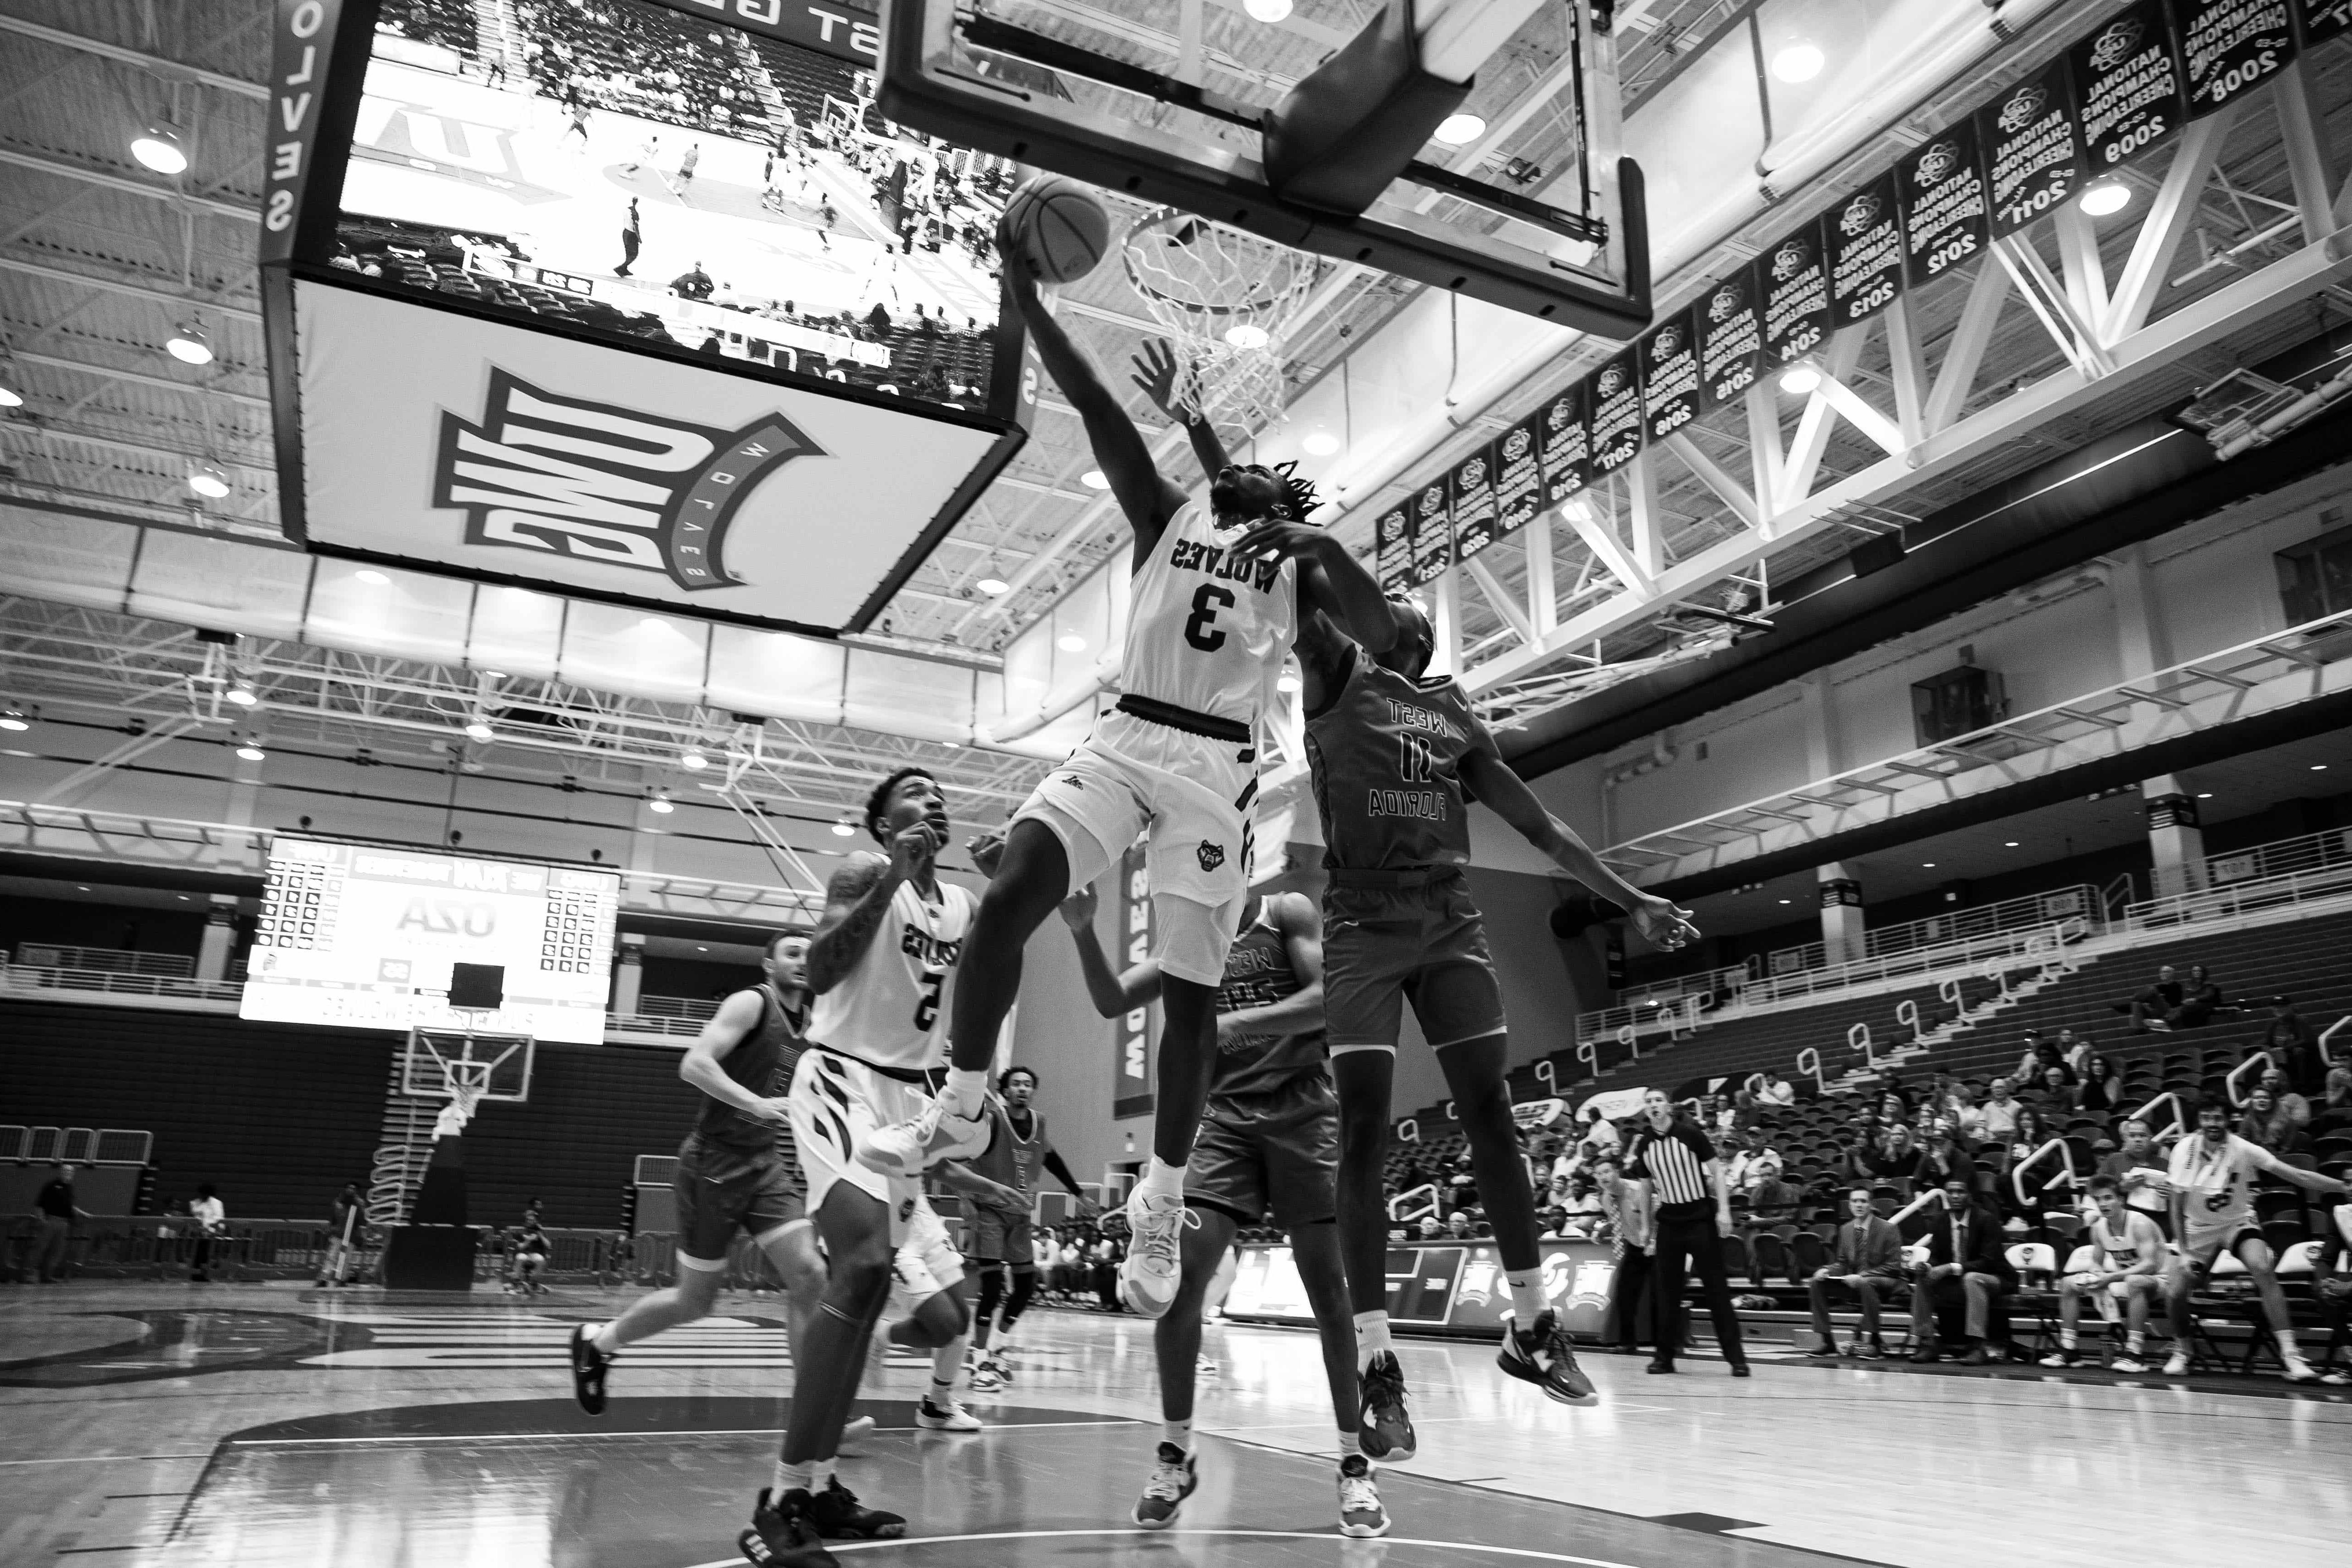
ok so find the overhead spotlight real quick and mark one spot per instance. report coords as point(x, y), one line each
point(1070, 642)
point(370, 575)
point(159, 148)
point(1926, 865)
point(844, 828)
point(189, 344)
point(1319, 443)
point(692, 760)
point(209, 480)
point(1788, 900)
point(2105, 196)
point(993, 586)
point(1460, 130)
point(252, 752)
point(243, 694)
point(12, 718)
point(1094, 479)
point(2319, 767)
point(1800, 379)
point(661, 803)
point(1286, 681)
point(1798, 62)
point(2207, 794)
point(2010, 843)
point(478, 729)
point(9, 397)
point(1247, 335)
point(1266, 11)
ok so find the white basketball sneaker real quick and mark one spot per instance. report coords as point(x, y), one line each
point(1147, 1276)
point(907, 1149)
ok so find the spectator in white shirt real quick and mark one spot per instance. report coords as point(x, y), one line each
point(211, 1217)
point(1755, 1166)
point(1996, 1119)
point(1779, 1091)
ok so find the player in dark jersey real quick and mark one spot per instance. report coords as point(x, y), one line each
point(737, 1169)
point(1396, 757)
point(1267, 1141)
point(999, 1240)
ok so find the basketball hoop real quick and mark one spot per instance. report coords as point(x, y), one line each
point(1227, 299)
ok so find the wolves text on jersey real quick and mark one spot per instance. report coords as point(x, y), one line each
point(1196, 555)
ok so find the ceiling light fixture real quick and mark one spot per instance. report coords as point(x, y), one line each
point(1094, 479)
point(252, 752)
point(993, 586)
point(1247, 335)
point(159, 147)
point(2105, 196)
point(1319, 443)
point(2208, 795)
point(12, 718)
point(243, 694)
point(2319, 767)
point(370, 575)
point(1070, 642)
point(189, 344)
point(209, 480)
point(1798, 62)
point(2011, 844)
point(9, 397)
point(692, 760)
point(1267, 11)
point(1800, 379)
point(1460, 130)
point(661, 803)
point(478, 729)
point(843, 829)
point(1926, 865)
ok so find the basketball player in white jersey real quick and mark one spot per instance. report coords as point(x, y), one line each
point(2127, 1265)
point(891, 937)
point(1207, 632)
point(2212, 1181)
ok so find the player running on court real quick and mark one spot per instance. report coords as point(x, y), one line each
point(1001, 1236)
point(1207, 630)
point(1269, 1142)
point(1396, 755)
point(2212, 1181)
point(2127, 1265)
point(892, 935)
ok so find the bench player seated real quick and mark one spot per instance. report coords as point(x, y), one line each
point(2126, 1272)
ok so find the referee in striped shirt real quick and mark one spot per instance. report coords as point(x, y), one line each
point(1693, 1208)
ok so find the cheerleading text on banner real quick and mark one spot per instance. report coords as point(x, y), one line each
point(1944, 208)
point(1470, 487)
point(2231, 46)
point(1865, 245)
point(2323, 19)
point(1433, 534)
point(1566, 428)
point(1795, 286)
point(1518, 477)
point(1131, 1079)
point(1729, 323)
point(2032, 151)
point(2129, 88)
point(1617, 412)
point(1669, 377)
point(1394, 542)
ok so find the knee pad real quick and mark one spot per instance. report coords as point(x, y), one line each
point(1190, 939)
point(1024, 1286)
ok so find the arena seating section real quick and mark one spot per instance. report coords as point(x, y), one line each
point(617, 57)
point(805, 78)
point(448, 23)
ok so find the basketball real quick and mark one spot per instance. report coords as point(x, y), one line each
point(1059, 228)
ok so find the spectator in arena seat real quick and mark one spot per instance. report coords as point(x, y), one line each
point(1775, 1202)
point(1967, 1268)
point(211, 1222)
point(1461, 1186)
point(55, 1207)
point(2267, 1123)
point(693, 283)
point(2199, 1000)
point(1866, 1259)
point(1896, 1160)
point(2126, 1267)
point(1457, 1225)
point(2294, 1047)
point(2291, 1105)
point(2099, 1091)
point(1946, 1157)
point(2152, 1008)
point(1779, 1091)
point(2074, 1050)
point(1997, 1118)
point(2332, 1283)
point(1756, 1165)
point(1432, 1228)
point(2334, 1107)
point(2138, 1169)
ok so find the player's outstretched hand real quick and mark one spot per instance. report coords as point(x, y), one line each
point(1078, 909)
point(987, 850)
point(1280, 539)
point(1018, 277)
point(1664, 924)
point(912, 847)
point(1089, 1211)
point(1156, 371)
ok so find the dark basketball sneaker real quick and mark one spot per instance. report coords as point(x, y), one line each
point(589, 1367)
point(782, 1539)
point(1173, 1480)
point(839, 1516)
point(1542, 1355)
point(1384, 1425)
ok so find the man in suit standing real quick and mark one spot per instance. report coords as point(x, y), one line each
point(631, 238)
point(1966, 1267)
point(1868, 1261)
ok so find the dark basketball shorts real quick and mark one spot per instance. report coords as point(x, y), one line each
point(722, 1190)
point(1276, 1153)
point(994, 1237)
point(1425, 945)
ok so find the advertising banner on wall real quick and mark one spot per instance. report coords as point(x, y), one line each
point(1455, 1287)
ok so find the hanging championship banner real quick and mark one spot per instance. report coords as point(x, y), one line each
point(1393, 539)
point(1433, 534)
point(1669, 359)
point(1865, 246)
point(2323, 19)
point(2033, 153)
point(2129, 85)
point(1131, 1079)
point(1617, 413)
point(2231, 46)
point(1470, 488)
point(1730, 327)
point(1566, 425)
point(1942, 190)
point(1795, 285)
point(1518, 477)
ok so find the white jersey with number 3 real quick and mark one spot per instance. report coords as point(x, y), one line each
point(891, 1009)
point(1207, 631)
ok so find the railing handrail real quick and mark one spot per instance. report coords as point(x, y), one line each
point(2017, 1171)
point(1397, 1213)
point(2142, 1113)
point(2175, 909)
point(2229, 1083)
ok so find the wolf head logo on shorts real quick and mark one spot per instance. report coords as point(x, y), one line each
point(1211, 856)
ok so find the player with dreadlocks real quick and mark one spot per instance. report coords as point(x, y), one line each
point(1208, 629)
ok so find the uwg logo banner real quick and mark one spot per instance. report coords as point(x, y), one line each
point(544, 472)
point(1132, 1074)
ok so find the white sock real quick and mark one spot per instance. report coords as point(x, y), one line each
point(2066, 1339)
point(1344, 1445)
point(1371, 1337)
point(947, 1363)
point(2134, 1342)
point(793, 1478)
point(965, 1092)
point(2287, 1347)
point(820, 1473)
point(605, 1339)
point(1527, 1296)
point(1161, 1182)
point(1179, 1432)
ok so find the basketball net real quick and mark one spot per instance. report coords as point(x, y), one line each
point(1225, 299)
point(464, 1098)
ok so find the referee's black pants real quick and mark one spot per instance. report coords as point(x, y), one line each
point(1685, 1245)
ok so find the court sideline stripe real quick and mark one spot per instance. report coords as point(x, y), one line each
point(1336, 1539)
point(539, 1436)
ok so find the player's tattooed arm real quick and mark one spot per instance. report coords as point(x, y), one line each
point(1112, 994)
point(855, 901)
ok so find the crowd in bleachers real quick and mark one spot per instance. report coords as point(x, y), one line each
point(640, 60)
point(448, 23)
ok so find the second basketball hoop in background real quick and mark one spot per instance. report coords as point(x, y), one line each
point(1061, 227)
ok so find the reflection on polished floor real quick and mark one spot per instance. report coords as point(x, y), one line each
point(264, 1425)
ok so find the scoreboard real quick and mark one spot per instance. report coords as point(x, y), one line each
point(363, 935)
